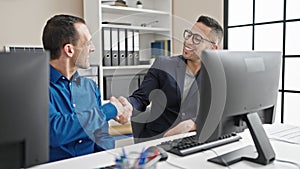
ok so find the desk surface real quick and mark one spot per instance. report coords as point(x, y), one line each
point(284, 151)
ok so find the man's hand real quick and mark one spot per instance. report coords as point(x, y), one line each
point(182, 127)
point(124, 109)
point(127, 108)
point(118, 105)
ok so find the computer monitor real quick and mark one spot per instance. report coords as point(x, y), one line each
point(238, 89)
point(24, 127)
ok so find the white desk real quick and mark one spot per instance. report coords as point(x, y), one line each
point(283, 150)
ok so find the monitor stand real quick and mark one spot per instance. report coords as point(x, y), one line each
point(264, 151)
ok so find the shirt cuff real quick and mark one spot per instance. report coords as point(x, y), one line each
point(110, 111)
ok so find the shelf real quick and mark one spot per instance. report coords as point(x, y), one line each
point(126, 67)
point(130, 10)
point(151, 29)
point(96, 14)
point(125, 70)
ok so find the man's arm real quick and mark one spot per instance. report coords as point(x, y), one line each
point(67, 127)
point(140, 97)
point(182, 127)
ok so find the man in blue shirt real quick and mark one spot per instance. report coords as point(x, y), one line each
point(78, 120)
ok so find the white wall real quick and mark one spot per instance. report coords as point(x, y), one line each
point(186, 14)
point(22, 21)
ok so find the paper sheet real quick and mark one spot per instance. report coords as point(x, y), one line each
point(284, 132)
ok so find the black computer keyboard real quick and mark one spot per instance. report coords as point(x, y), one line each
point(189, 145)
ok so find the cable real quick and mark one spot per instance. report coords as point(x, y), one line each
point(278, 160)
point(174, 165)
point(288, 162)
point(285, 161)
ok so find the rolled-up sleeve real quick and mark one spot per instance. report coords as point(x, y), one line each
point(110, 111)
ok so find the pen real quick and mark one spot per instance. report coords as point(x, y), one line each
point(143, 157)
point(118, 163)
point(125, 163)
point(123, 153)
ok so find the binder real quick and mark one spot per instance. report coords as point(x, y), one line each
point(167, 47)
point(129, 48)
point(106, 46)
point(114, 47)
point(161, 48)
point(122, 47)
point(157, 48)
point(136, 47)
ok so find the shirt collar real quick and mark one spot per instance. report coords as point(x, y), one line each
point(55, 75)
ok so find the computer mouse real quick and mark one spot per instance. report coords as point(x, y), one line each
point(161, 151)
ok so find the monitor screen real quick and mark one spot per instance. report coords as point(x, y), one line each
point(24, 135)
point(238, 89)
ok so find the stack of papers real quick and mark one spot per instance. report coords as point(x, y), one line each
point(284, 132)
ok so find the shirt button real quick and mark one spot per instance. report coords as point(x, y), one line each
point(74, 105)
point(183, 114)
point(63, 78)
point(79, 141)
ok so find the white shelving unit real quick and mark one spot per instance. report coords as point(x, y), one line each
point(153, 10)
point(131, 10)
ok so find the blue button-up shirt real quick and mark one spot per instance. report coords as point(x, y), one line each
point(78, 120)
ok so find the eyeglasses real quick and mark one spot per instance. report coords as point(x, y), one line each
point(197, 39)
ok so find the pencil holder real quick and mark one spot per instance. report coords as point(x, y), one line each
point(134, 160)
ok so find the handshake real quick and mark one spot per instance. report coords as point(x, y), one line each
point(124, 109)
